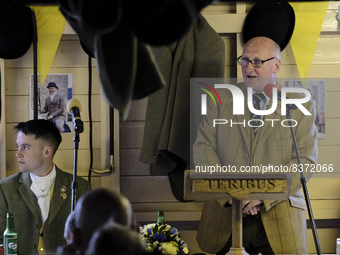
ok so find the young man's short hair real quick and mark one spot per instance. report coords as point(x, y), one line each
point(41, 129)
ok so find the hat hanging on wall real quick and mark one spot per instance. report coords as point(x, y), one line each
point(95, 16)
point(116, 61)
point(164, 29)
point(16, 32)
point(86, 50)
point(137, 12)
point(272, 19)
point(5, 5)
point(115, 34)
point(170, 20)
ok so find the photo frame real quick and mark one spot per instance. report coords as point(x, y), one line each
point(317, 90)
point(48, 108)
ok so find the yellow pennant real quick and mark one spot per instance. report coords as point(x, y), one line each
point(50, 26)
point(309, 19)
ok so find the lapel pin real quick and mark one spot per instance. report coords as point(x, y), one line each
point(63, 195)
point(63, 189)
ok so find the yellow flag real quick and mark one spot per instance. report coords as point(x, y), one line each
point(50, 26)
point(309, 17)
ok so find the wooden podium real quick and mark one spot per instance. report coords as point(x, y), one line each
point(226, 186)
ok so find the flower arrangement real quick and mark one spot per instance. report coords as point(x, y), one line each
point(163, 239)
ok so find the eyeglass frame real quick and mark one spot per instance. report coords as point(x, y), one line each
point(251, 61)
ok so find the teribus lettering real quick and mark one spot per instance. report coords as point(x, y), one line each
point(238, 100)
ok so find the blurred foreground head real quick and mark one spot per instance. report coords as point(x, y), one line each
point(116, 239)
point(70, 228)
point(96, 208)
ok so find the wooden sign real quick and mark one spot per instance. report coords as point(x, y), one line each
point(239, 188)
point(250, 186)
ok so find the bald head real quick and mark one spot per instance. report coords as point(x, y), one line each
point(265, 51)
point(266, 43)
point(95, 208)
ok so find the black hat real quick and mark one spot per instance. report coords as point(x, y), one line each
point(52, 84)
point(171, 23)
point(125, 63)
point(86, 50)
point(5, 5)
point(16, 32)
point(92, 16)
point(272, 19)
point(166, 28)
point(126, 68)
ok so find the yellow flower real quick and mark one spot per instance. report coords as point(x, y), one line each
point(169, 249)
point(185, 250)
point(174, 243)
point(149, 248)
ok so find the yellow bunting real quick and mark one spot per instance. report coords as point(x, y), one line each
point(50, 26)
point(309, 19)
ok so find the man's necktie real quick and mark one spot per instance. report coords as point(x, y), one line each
point(257, 98)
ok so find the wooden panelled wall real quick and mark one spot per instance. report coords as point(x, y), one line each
point(148, 194)
point(69, 58)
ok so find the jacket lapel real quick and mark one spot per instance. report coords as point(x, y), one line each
point(57, 201)
point(29, 197)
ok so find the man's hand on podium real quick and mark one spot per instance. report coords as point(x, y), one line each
point(249, 206)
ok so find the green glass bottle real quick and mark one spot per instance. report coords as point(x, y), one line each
point(160, 217)
point(10, 236)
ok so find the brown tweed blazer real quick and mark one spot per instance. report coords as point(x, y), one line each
point(283, 221)
point(56, 107)
point(17, 197)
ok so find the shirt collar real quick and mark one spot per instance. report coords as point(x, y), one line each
point(46, 178)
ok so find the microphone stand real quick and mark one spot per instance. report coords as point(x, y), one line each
point(74, 185)
point(303, 181)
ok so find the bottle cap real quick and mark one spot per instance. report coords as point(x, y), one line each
point(160, 213)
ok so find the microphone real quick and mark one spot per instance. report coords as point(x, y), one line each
point(268, 90)
point(74, 108)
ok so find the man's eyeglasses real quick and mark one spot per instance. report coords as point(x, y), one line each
point(255, 62)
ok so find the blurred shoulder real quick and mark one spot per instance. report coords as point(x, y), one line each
point(11, 179)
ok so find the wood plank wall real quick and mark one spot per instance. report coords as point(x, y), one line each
point(69, 58)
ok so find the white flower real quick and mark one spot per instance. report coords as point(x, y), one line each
point(149, 226)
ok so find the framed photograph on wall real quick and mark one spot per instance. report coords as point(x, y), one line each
point(317, 90)
point(52, 100)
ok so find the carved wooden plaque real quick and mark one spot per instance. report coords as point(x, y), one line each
point(239, 188)
point(252, 186)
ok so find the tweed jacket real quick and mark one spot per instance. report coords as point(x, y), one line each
point(200, 53)
point(57, 107)
point(17, 197)
point(284, 221)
